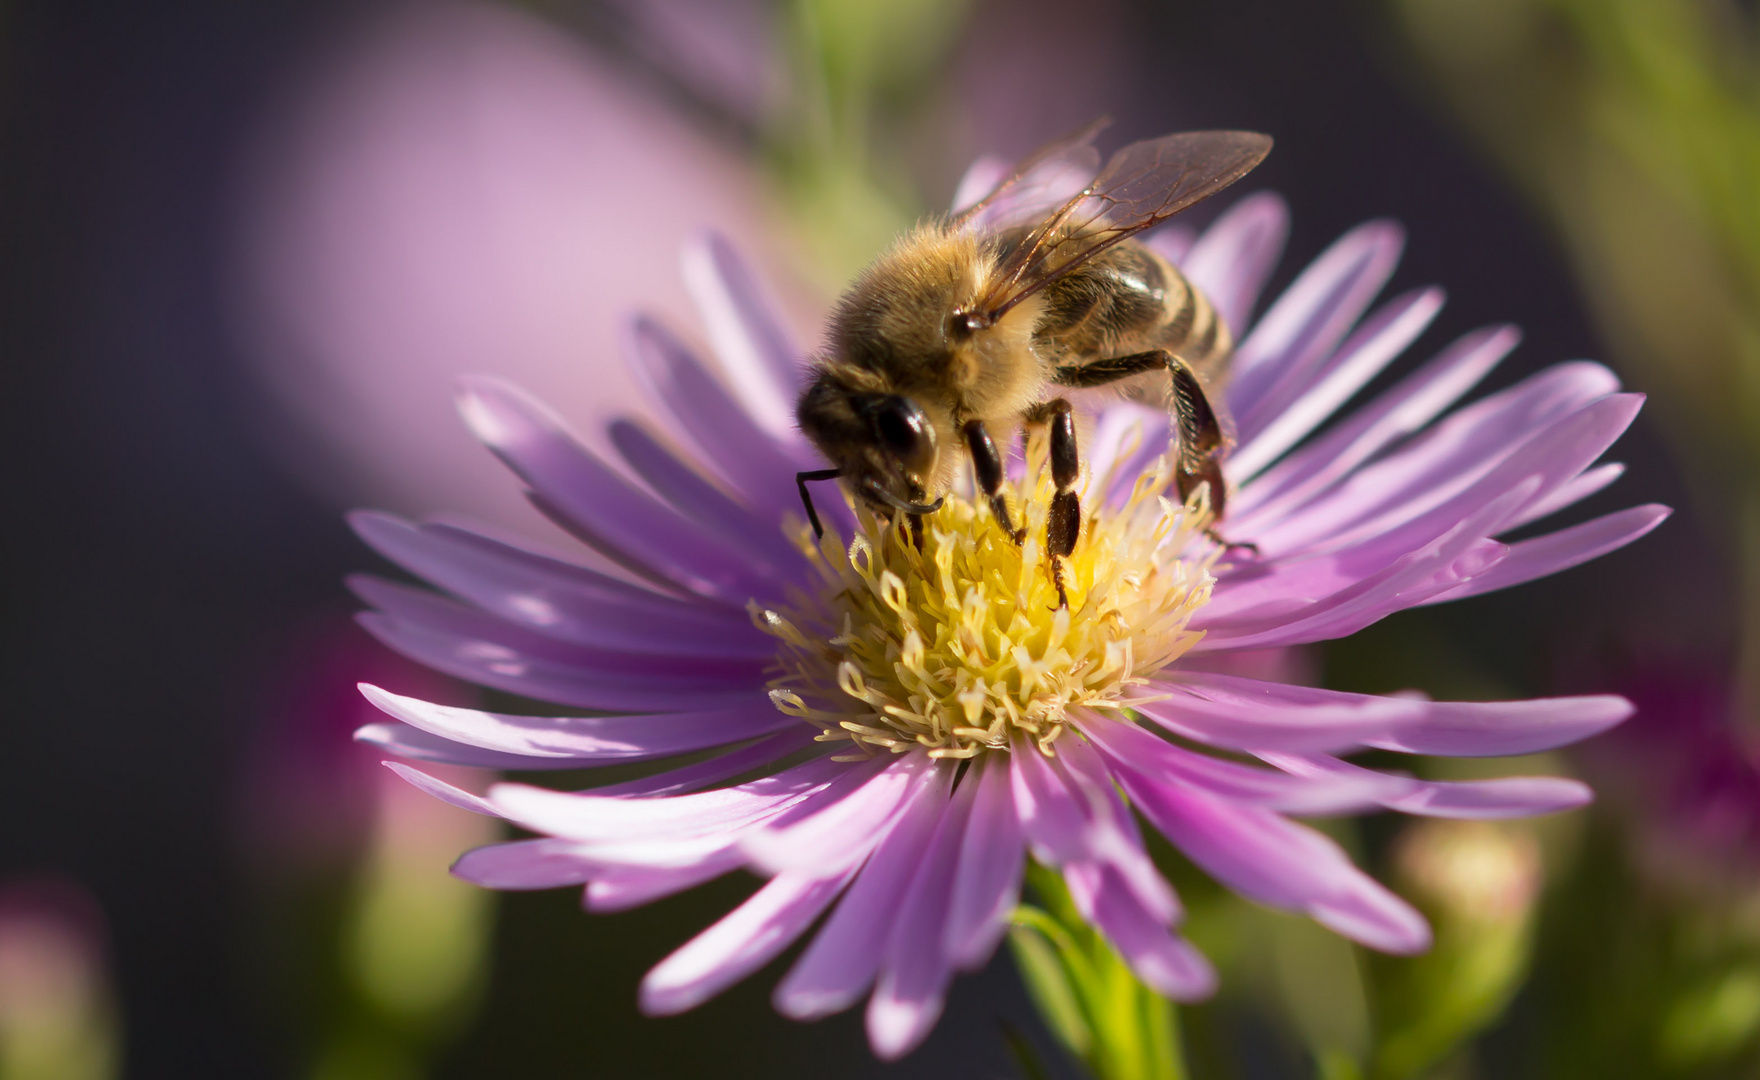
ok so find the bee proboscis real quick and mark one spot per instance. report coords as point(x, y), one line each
point(975, 321)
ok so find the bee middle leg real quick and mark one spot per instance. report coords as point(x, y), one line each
point(987, 464)
point(1201, 438)
point(1064, 524)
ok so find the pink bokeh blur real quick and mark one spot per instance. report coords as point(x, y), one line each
point(463, 189)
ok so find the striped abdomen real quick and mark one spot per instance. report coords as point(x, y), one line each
point(1129, 300)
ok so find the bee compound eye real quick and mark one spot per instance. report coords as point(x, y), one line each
point(906, 433)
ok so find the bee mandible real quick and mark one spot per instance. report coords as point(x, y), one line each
point(974, 322)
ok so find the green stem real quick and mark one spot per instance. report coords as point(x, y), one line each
point(1124, 1030)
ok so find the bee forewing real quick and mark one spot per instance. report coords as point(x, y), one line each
point(1142, 186)
point(1148, 182)
point(983, 177)
point(1031, 198)
point(1039, 184)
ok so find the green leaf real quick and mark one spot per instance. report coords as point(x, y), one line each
point(1087, 993)
point(1049, 984)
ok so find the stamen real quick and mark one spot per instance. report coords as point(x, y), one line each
point(959, 644)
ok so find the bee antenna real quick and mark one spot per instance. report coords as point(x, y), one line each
point(800, 481)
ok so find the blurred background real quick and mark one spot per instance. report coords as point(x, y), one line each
point(247, 247)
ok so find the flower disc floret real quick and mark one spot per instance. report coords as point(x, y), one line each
point(961, 645)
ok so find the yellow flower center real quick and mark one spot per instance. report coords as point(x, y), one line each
point(960, 645)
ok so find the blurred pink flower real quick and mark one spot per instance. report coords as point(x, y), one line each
point(57, 1018)
point(1689, 771)
point(308, 793)
point(464, 188)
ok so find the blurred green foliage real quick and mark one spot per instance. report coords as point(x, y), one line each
point(1634, 126)
point(860, 69)
point(1086, 993)
point(1325, 1007)
point(388, 956)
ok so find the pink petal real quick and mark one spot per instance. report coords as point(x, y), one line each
point(582, 738)
point(1506, 797)
point(1168, 964)
point(1311, 317)
point(686, 778)
point(1530, 430)
point(1545, 555)
point(492, 664)
point(411, 742)
point(987, 878)
point(756, 463)
point(1232, 260)
point(1264, 857)
point(844, 832)
point(1413, 402)
point(621, 888)
point(440, 789)
point(1237, 713)
point(559, 599)
point(602, 819)
point(1315, 394)
point(1451, 558)
point(1127, 746)
point(680, 484)
point(606, 511)
point(1114, 839)
point(743, 941)
point(1569, 493)
point(912, 987)
point(845, 956)
point(527, 864)
point(761, 359)
point(1070, 813)
point(1502, 728)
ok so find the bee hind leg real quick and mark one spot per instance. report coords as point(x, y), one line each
point(1202, 441)
point(987, 464)
point(1193, 474)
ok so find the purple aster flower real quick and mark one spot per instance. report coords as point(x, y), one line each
point(919, 720)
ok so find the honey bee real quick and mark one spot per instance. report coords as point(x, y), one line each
point(975, 321)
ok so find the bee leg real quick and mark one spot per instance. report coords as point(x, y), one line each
point(987, 464)
point(1202, 441)
point(1201, 446)
point(1112, 369)
point(1064, 524)
point(800, 481)
point(916, 521)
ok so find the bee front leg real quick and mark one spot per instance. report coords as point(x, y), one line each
point(987, 464)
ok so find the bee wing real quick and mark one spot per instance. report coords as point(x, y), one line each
point(1142, 185)
point(1038, 184)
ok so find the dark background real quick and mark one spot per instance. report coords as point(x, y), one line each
point(159, 559)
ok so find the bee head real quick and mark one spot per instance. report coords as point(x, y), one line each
point(885, 444)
